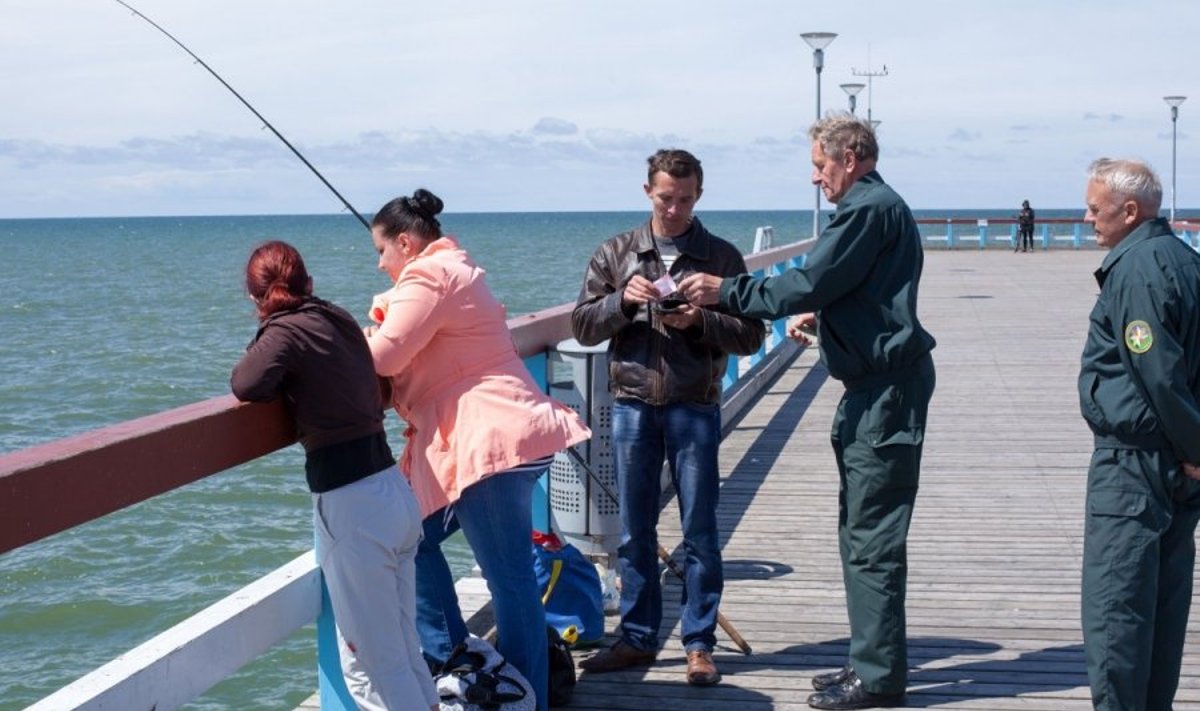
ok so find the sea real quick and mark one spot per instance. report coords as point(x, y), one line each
point(104, 320)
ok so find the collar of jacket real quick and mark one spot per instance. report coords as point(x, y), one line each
point(860, 186)
point(697, 246)
point(1154, 227)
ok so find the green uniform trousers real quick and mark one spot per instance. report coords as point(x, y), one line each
point(1138, 553)
point(877, 439)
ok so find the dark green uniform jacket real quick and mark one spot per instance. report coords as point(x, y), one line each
point(862, 277)
point(1139, 384)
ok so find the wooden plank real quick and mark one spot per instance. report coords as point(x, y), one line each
point(996, 542)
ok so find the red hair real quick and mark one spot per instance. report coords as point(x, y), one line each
point(276, 278)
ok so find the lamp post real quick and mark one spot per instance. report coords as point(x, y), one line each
point(818, 41)
point(1173, 102)
point(852, 91)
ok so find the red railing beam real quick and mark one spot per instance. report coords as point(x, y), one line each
point(51, 487)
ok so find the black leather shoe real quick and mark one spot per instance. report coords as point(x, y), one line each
point(851, 695)
point(619, 656)
point(821, 682)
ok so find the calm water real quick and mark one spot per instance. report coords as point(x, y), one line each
point(104, 320)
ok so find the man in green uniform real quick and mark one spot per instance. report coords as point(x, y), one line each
point(1139, 390)
point(858, 286)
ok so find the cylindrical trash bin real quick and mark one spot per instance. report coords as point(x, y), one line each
point(580, 511)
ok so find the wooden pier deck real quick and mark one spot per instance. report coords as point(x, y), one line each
point(996, 541)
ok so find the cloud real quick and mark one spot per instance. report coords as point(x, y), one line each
point(962, 134)
point(1111, 118)
point(555, 127)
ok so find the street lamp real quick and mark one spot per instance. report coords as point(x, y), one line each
point(1173, 102)
point(818, 41)
point(852, 91)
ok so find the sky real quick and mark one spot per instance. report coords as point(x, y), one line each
point(516, 105)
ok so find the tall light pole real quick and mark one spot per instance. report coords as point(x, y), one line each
point(852, 91)
point(869, 75)
point(1173, 102)
point(818, 41)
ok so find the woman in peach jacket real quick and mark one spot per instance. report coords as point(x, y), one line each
point(480, 432)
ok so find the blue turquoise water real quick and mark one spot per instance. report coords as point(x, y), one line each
point(105, 320)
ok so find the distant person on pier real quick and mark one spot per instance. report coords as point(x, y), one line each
point(312, 355)
point(480, 431)
point(666, 361)
point(1025, 220)
point(858, 288)
point(1139, 390)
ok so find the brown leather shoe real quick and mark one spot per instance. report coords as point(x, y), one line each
point(618, 656)
point(701, 669)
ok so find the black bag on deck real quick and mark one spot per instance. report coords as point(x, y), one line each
point(476, 678)
point(562, 669)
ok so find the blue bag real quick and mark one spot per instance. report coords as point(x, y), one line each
point(570, 589)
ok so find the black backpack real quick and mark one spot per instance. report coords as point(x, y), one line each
point(562, 669)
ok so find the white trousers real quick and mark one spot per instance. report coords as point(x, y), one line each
point(367, 536)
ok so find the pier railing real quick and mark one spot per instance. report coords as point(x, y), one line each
point(1050, 233)
point(118, 466)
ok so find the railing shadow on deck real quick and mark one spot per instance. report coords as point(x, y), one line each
point(118, 466)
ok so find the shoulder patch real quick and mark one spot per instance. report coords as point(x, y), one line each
point(1138, 337)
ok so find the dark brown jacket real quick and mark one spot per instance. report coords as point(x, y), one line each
point(647, 360)
point(316, 359)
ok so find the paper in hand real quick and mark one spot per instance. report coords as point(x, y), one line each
point(665, 285)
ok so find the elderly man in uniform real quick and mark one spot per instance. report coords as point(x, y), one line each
point(859, 288)
point(1139, 390)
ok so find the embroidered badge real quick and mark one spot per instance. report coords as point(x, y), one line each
point(1138, 337)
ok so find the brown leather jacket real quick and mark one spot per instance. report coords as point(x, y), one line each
point(647, 360)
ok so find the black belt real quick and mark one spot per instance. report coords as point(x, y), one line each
point(871, 381)
point(1132, 441)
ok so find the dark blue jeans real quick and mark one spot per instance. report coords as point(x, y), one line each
point(495, 515)
point(687, 436)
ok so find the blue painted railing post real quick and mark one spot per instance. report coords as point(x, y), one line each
point(537, 364)
point(731, 372)
point(1078, 239)
point(1045, 236)
point(950, 234)
point(983, 234)
point(1012, 236)
point(334, 694)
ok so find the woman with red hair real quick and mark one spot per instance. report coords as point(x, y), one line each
point(312, 354)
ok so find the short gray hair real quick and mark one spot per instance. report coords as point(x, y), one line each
point(840, 131)
point(1128, 179)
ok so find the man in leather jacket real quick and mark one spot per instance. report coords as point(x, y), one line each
point(666, 361)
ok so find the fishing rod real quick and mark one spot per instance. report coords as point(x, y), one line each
point(253, 110)
point(724, 623)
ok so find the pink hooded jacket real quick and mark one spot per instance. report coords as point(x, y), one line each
point(471, 406)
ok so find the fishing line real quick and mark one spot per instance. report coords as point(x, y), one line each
point(266, 123)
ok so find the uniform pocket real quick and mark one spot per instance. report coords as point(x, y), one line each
point(1114, 502)
point(892, 420)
